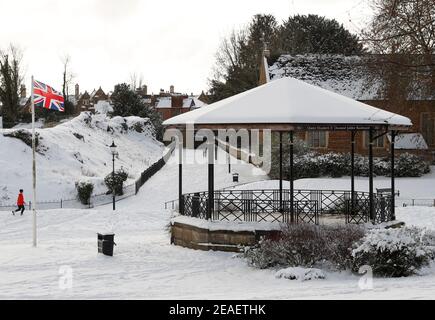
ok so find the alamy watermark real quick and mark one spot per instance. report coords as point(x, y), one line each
point(366, 280)
point(254, 145)
point(66, 277)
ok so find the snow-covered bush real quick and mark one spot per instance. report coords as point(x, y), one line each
point(334, 164)
point(84, 191)
point(306, 245)
point(24, 135)
point(298, 273)
point(410, 165)
point(114, 182)
point(304, 166)
point(392, 252)
point(313, 165)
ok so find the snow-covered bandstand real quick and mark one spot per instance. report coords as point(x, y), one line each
point(288, 105)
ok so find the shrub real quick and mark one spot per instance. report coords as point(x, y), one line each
point(306, 245)
point(78, 136)
point(313, 165)
point(304, 166)
point(24, 135)
point(392, 252)
point(409, 165)
point(334, 164)
point(114, 182)
point(84, 191)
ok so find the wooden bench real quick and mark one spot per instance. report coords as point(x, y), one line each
point(387, 191)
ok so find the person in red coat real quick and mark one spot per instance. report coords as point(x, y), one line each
point(20, 203)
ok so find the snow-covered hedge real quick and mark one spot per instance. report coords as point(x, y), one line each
point(394, 252)
point(410, 165)
point(306, 245)
point(313, 165)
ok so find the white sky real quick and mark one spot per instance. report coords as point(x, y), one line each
point(167, 41)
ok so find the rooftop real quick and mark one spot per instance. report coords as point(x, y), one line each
point(289, 101)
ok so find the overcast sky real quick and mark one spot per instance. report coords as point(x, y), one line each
point(167, 41)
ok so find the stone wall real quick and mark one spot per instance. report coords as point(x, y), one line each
point(194, 237)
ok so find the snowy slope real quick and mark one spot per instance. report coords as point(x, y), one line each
point(75, 150)
point(146, 266)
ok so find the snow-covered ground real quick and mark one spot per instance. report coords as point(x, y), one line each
point(146, 266)
point(409, 188)
point(73, 151)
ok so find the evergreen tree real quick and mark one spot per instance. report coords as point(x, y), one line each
point(10, 82)
point(127, 102)
point(311, 33)
point(239, 56)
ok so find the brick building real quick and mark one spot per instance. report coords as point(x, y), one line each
point(170, 103)
point(350, 77)
point(86, 101)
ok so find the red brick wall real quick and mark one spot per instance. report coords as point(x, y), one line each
point(339, 141)
point(171, 112)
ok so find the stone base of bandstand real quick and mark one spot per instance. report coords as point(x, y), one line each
point(228, 236)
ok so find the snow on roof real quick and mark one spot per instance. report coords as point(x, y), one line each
point(409, 141)
point(193, 102)
point(93, 93)
point(341, 74)
point(291, 101)
point(189, 102)
point(164, 102)
point(346, 75)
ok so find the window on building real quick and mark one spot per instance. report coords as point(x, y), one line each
point(378, 143)
point(317, 139)
point(428, 128)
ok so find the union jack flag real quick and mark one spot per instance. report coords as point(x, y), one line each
point(46, 97)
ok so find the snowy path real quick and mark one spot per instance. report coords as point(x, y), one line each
point(146, 266)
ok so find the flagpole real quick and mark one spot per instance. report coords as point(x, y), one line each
point(33, 166)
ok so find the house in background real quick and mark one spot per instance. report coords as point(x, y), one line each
point(350, 77)
point(170, 104)
point(87, 101)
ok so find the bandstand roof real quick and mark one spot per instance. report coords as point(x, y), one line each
point(290, 103)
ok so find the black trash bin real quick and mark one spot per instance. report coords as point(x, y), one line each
point(235, 177)
point(106, 243)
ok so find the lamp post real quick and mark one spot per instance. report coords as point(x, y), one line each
point(114, 153)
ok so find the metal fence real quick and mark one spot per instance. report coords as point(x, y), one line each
point(153, 169)
point(74, 203)
point(102, 198)
point(265, 205)
point(418, 202)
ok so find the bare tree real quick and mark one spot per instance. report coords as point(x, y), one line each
point(11, 78)
point(402, 32)
point(67, 75)
point(228, 56)
point(136, 80)
point(67, 81)
point(402, 26)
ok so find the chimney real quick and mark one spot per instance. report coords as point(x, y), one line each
point(171, 89)
point(177, 101)
point(22, 91)
point(144, 89)
point(77, 92)
point(266, 52)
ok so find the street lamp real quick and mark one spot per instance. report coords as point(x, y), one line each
point(114, 153)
